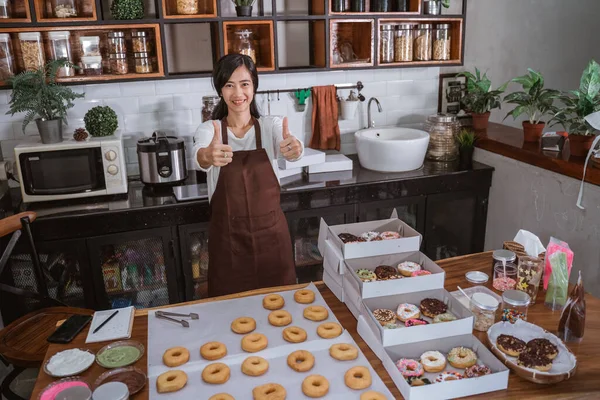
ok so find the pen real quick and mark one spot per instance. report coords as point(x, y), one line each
point(105, 321)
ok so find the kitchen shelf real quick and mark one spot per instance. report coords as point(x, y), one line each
point(415, 9)
point(20, 13)
point(87, 11)
point(357, 33)
point(262, 38)
point(206, 8)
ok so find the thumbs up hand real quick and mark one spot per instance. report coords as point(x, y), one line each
point(216, 153)
point(289, 147)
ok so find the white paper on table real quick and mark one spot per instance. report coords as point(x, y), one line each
point(532, 244)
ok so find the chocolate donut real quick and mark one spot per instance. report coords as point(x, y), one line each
point(542, 347)
point(385, 272)
point(432, 307)
point(350, 238)
point(510, 345)
point(536, 361)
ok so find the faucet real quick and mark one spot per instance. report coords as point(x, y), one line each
point(370, 122)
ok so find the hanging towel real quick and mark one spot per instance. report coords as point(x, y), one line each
point(325, 128)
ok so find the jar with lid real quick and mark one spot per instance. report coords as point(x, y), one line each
point(116, 42)
point(441, 42)
point(187, 7)
point(502, 254)
point(64, 8)
point(505, 276)
point(424, 42)
point(515, 305)
point(442, 129)
point(403, 43)
point(209, 103)
point(484, 307)
point(7, 62)
point(60, 49)
point(244, 45)
point(32, 50)
point(5, 9)
point(92, 65)
point(143, 63)
point(90, 45)
point(118, 63)
point(141, 41)
point(386, 43)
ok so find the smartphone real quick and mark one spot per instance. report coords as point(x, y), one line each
point(69, 329)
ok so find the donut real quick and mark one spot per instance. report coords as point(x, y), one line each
point(316, 313)
point(385, 273)
point(213, 351)
point(407, 311)
point(221, 396)
point(432, 307)
point(372, 395)
point(255, 366)
point(176, 356)
point(407, 268)
point(329, 330)
point(510, 345)
point(301, 360)
point(420, 273)
point(389, 235)
point(343, 352)
point(294, 334)
point(358, 378)
point(350, 238)
point(433, 361)
point(418, 381)
point(254, 342)
point(409, 367)
point(369, 236)
point(535, 361)
point(477, 370)
point(542, 347)
point(391, 325)
point(315, 386)
point(171, 381)
point(269, 391)
point(280, 318)
point(448, 376)
point(462, 357)
point(304, 296)
point(273, 302)
point(384, 316)
point(415, 322)
point(216, 374)
point(445, 317)
point(366, 275)
point(243, 325)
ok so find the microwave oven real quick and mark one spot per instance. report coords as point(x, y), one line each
point(71, 169)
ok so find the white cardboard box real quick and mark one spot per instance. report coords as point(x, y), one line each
point(333, 162)
point(310, 157)
point(395, 286)
point(333, 260)
point(285, 173)
point(389, 337)
point(352, 298)
point(333, 285)
point(367, 335)
point(337, 176)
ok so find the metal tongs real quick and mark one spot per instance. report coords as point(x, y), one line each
point(167, 315)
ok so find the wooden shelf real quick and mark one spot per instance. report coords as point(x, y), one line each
point(20, 13)
point(86, 12)
point(415, 9)
point(206, 9)
point(359, 33)
point(262, 39)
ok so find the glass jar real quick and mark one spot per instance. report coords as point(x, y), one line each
point(118, 64)
point(380, 5)
point(386, 43)
point(64, 8)
point(244, 44)
point(506, 255)
point(90, 45)
point(515, 305)
point(143, 63)
point(92, 65)
point(116, 43)
point(442, 129)
point(423, 42)
point(484, 307)
point(32, 50)
point(529, 275)
point(187, 7)
point(505, 278)
point(141, 41)
point(401, 5)
point(358, 5)
point(60, 49)
point(441, 42)
point(7, 62)
point(5, 9)
point(403, 43)
point(209, 103)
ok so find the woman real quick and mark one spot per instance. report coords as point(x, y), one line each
point(249, 242)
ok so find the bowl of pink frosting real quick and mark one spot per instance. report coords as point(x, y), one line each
point(55, 388)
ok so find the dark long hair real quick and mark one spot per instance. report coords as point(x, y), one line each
point(223, 71)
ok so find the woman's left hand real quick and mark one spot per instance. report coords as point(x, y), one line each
point(290, 147)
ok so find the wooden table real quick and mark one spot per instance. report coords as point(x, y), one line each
point(584, 385)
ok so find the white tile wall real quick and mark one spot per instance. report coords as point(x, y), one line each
point(406, 95)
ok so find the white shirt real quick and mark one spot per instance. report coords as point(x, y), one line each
point(272, 134)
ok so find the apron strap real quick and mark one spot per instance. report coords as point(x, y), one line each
point(224, 131)
point(257, 132)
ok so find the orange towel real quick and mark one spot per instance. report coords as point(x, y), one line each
point(325, 128)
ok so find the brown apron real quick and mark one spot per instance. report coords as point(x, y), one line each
point(249, 242)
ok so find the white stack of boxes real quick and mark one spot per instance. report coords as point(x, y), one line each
point(341, 260)
point(318, 165)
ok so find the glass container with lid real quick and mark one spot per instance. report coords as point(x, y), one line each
point(386, 43)
point(403, 43)
point(187, 7)
point(5, 9)
point(209, 103)
point(60, 48)
point(442, 129)
point(505, 276)
point(244, 45)
point(484, 307)
point(441, 42)
point(424, 42)
point(64, 8)
point(116, 42)
point(515, 305)
point(141, 41)
point(143, 63)
point(7, 64)
point(118, 64)
point(32, 50)
point(476, 278)
point(90, 45)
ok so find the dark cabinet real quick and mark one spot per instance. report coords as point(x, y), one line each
point(410, 210)
point(193, 242)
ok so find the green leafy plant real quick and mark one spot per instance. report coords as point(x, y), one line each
point(534, 100)
point(37, 94)
point(127, 9)
point(243, 3)
point(580, 103)
point(101, 121)
point(466, 139)
point(446, 3)
point(479, 98)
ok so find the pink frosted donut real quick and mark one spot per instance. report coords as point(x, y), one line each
point(448, 376)
point(408, 367)
point(415, 322)
point(390, 235)
point(420, 273)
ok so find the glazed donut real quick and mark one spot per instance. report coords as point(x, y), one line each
point(315, 386)
point(372, 395)
point(407, 311)
point(213, 351)
point(477, 370)
point(448, 376)
point(366, 275)
point(221, 396)
point(343, 352)
point(254, 342)
point(273, 302)
point(445, 317)
point(243, 325)
point(407, 268)
point(462, 357)
point(390, 235)
point(316, 313)
point(280, 318)
point(358, 378)
point(304, 296)
point(420, 273)
point(269, 391)
point(294, 334)
point(301, 360)
point(176, 356)
point(415, 322)
point(384, 316)
point(408, 367)
point(171, 381)
point(255, 366)
point(216, 373)
point(433, 361)
point(329, 330)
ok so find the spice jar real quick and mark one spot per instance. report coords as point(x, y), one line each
point(92, 65)
point(90, 45)
point(32, 50)
point(5, 9)
point(515, 305)
point(118, 64)
point(423, 42)
point(187, 7)
point(244, 44)
point(209, 103)
point(7, 64)
point(505, 277)
point(116, 42)
point(143, 63)
point(441, 42)
point(442, 129)
point(386, 42)
point(64, 8)
point(403, 43)
point(529, 275)
point(141, 42)
point(484, 307)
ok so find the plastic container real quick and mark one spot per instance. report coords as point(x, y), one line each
point(403, 43)
point(442, 129)
point(141, 41)
point(423, 42)
point(92, 65)
point(90, 45)
point(244, 45)
point(7, 61)
point(118, 64)
point(60, 49)
point(116, 43)
point(484, 307)
point(529, 275)
point(476, 278)
point(505, 279)
point(111, 391)
point(64, 8)
point(5, 9)
point(32, 50)
point(209, 103)
point(442, 42)
point(515, 305)
point(187, 7)
point(143, 63)
point(499, 255)
point(386, 49)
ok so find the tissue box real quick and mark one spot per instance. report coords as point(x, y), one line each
point(333, 163)
point(310, 157)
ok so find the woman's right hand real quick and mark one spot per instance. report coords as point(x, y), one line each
point(217, 153)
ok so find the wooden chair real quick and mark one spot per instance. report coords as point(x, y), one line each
point(23, 342)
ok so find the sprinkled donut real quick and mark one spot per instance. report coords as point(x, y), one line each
point(386, 272)
point(406, 268)
point(369, 236)
point(462, 357)
point(390, 235)
point(477, 370)
point(415, 322)
point(448, 376)
point(408, 367)
point(366, 275)
point(420, 273)
point(433, 361)
point(407, 311)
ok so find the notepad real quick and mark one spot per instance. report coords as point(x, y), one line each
point(119, 327)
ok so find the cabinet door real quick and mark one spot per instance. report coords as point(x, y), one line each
point(135, 268)
point(193, 240)
point(410, 210)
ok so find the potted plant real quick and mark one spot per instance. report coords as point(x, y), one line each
point(243, 8)
point(466, 146)
point(480, 99)
point(101, 121)
point(534, 101)
point(434, 7)
point(577, 105)
point(37, 94)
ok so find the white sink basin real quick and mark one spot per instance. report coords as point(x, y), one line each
point(391, 149)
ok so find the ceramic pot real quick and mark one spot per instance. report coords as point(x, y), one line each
point(243, 11)
point(480, 121)
point(580, 144)
point(466, 157)
point(532, 132)
point(50, 130)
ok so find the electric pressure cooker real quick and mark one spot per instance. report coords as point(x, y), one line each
point(161, 159)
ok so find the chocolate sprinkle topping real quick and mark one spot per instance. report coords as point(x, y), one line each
point(511, 343)
point(382, 314)
point(542, 347)
point(385, 272)
point(350, 238)
point(531, 360)
point(433, 306)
